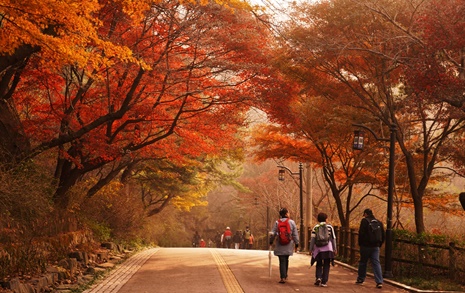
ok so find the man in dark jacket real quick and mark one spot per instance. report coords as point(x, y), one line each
point(369, 250)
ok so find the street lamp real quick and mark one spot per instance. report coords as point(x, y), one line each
point(281, 172)
point(358, 145)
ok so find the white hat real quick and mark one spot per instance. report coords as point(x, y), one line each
point(227, 228)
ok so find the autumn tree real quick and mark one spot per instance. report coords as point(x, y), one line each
point(46, 30)
point(323, 136)
point(183, 98)
point(367, 47)
point(437, 73)
point(266, 195)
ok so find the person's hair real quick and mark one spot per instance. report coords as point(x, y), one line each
point(368, 212)
point(283, 212)
point(322, 217)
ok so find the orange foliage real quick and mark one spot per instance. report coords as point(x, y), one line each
point(184, 97)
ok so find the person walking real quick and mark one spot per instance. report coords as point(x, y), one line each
point(251, 239)
point(369, 249)
point(226, 239)
point(287, 241)
point(323, 248)
point(196, 239)
point(237, 239)
point(246, 235)
point(218, 239)
point(203, 243)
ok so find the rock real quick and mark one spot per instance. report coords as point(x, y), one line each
point(110, 245)
point(16, 286)
point(70, 264)
point(94, 270)
point(102, 256)
point(66, 275)
point(80, 256)
point(106, 265)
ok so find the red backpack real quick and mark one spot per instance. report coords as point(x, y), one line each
point(284, 232)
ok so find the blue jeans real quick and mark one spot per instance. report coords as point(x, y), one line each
point(369, 253)
point(283, 265)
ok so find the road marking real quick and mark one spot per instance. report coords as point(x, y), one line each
point(229, 280)
point(123, 273)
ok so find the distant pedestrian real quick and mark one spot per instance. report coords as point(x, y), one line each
point(246, 235)
point(196, 239)
point(203, 243)
point(218, 239)
point(251, 239)
point(227, 238)
point(323, 248)
point(369, 249)
point(283, 251)
point(237, 239)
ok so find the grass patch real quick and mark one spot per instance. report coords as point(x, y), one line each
point(429, 284)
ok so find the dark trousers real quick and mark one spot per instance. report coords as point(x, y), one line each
point(283, 265)
point(322, 269)
point(227, 242)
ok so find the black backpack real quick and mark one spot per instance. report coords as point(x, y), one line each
point(375, 231)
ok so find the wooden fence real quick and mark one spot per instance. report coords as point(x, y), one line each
point(408, 257)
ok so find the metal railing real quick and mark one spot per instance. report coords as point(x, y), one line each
point(409, 257)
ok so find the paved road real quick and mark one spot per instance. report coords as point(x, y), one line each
point(223, 270)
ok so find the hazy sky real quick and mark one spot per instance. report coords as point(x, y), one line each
point(277, 7)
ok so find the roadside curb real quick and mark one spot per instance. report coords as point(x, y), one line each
point(396, 284)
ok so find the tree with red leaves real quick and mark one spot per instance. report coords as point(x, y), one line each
point(183, 100)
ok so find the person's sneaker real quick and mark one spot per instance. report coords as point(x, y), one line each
point(359, 282)
point(318, 282)
point(379, 285)
point(323, 285)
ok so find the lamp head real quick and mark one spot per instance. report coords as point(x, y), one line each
point(358, 140)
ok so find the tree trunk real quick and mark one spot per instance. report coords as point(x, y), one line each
point(417, 197)
point(68, 179)
point(14, 145)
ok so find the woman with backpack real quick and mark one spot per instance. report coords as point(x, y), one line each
point(323, 248)
point(285, 231)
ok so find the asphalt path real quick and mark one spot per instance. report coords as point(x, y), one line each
point(225, 270)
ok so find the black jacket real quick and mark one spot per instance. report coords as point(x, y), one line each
point(363, 236)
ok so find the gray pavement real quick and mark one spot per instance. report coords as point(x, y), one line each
point(226, 270)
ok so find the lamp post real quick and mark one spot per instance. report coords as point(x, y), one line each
point(358, 145)
point(309, 206)
point(281, 172)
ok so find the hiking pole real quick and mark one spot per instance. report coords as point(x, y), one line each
point(269, 261)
